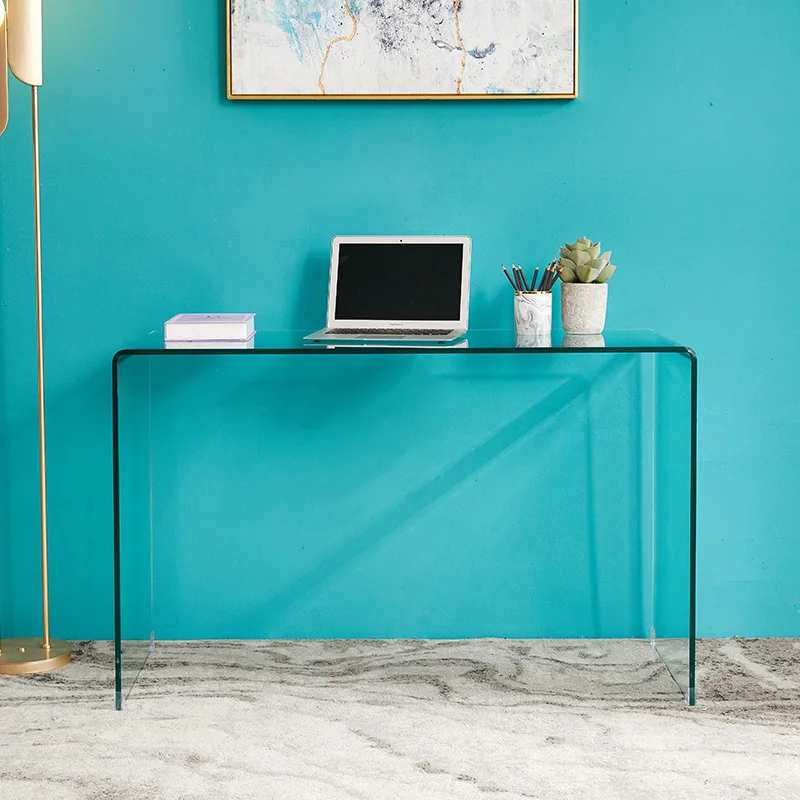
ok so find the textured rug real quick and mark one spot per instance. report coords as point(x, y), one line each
point(407, 719)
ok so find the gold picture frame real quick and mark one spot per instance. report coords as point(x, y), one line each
point(442, 96)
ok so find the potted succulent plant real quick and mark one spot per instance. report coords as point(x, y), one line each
point(584, 292)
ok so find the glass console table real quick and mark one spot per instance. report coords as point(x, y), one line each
point(489, 488)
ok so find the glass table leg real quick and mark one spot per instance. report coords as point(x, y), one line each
point(673, 634)
point(132, 444)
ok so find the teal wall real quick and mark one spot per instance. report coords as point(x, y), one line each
point(159, 195)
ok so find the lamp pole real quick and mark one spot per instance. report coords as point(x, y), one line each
point(24, 47)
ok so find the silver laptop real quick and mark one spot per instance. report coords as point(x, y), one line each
point(397, 288)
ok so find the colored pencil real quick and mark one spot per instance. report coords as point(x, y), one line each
point(552, 279)
point(545, 278)
point(556, 274)
point(520, 283)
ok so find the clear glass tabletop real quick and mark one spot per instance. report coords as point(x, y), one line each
point(475, 341)
point(408, 492)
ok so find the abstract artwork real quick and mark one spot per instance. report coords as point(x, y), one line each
point(396, 49)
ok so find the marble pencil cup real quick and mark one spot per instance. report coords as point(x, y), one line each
point(533, 313)
point(540, 340)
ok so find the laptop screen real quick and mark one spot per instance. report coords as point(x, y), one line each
point(399, 281)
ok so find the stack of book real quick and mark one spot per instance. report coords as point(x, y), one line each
point(186, 331)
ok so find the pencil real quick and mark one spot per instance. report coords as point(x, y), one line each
point(545, 277)
point(552, 279)
point(505, 272)
point(556, 274)
point(516, 277)
point(524, 282)
point(533, 282)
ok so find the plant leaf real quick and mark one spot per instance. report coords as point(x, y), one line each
point(581, 257)
point(607, 272)
point(598, 263)
point(565, 252)
point(569, 262)
point(568, 274)
point(584, 272)
point(606, 256)
point(594, 250)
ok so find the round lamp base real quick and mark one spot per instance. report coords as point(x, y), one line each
point(23, 656)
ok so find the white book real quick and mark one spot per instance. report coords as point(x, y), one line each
point(209, 327)
point(213, 344)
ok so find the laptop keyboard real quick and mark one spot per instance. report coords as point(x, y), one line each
point(392, 331)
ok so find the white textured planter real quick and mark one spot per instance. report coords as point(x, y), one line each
point(533, 313)
point(583, 307)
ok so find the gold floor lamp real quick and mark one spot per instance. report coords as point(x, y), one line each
point(21, 49)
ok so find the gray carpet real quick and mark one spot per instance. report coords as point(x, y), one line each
point(407, 719)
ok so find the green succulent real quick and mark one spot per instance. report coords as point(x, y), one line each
point(582, 263)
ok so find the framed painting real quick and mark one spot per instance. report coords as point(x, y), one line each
point(402, 49)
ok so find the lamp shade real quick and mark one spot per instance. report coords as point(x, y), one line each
point(3, 71)
point(24, 34)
